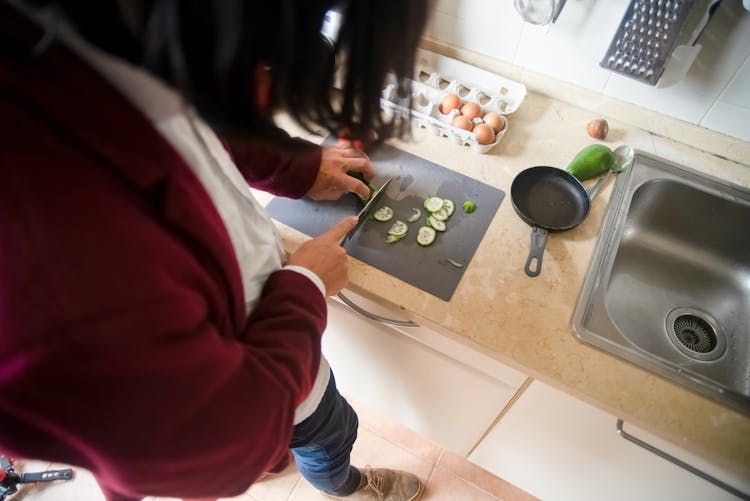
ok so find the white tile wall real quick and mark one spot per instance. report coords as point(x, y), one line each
point(732, 111)
point(715, 93)
point(677, 100)
point(738, 90)
point(571, 48)
point(488, 27)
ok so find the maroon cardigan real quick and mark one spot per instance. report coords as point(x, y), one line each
point(124, 346)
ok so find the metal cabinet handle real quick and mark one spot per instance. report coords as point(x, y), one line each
point(373, 316)
point(678, 462)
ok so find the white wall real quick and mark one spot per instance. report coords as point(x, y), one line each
point(715, 93)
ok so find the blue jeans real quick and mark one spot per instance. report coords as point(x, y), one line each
point(322, 443)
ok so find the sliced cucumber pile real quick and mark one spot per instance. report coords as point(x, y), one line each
point(439, 210)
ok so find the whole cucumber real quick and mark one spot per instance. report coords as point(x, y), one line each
point(361, 177)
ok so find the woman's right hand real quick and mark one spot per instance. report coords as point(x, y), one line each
point(325, 257)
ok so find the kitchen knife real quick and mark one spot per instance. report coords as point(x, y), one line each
point(366, 210)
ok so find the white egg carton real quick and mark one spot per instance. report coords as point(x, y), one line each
point(434, 77)
point(425, 113)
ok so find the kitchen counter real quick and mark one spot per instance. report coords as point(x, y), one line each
point(523, 321)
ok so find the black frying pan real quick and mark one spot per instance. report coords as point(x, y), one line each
point(548, 199)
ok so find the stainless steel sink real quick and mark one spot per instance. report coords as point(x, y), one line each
point(668, 287)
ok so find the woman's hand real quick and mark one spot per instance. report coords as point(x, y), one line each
point(325, 257)
point(333, 181)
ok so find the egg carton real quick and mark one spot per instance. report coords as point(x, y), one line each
point(425, 113)
point(429, 86)
point(441, 71)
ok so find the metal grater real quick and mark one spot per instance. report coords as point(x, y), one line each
point(646, 37)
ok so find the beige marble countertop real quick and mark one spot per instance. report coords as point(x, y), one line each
point(523, 321)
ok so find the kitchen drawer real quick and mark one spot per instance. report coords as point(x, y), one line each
point(449, 401)
point(557, 447)
point(460, 349)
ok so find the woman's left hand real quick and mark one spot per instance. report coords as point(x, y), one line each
point(333, 181)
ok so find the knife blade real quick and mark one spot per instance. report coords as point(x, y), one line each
point(363, 214)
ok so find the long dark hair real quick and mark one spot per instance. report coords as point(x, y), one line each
point(210, 51)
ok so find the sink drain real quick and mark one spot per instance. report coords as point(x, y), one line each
point(696, 334)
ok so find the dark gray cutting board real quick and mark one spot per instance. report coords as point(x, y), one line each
point(414, 179)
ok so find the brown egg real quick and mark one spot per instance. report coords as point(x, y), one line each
point(598, 128)
point(494, 120)
point(462, 122)
point(471, 110)
point(449, 102)
point(484, 134)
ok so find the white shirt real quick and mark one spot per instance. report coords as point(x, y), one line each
point(255, 239)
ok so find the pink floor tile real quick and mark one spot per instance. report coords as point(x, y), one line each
point(486, 481)
point(306, 492)
point(377, 452)
point(396, 433)
point(277, 487)
point(444, 486)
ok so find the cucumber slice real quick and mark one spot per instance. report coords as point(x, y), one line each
point(441, 215)
point(415, 216)
point(392, 239)
point(436, 223)
point(449, 206)
point(433, 204)
point(399, 229)
point(425, 236)
point(383, 214)
point(455, 263)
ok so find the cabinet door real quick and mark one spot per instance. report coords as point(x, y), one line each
point(559, 448)
point(440, 398)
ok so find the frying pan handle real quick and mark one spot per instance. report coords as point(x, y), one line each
point(599, 185)
point(538, 243)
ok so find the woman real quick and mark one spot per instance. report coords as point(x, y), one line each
point(152, 329)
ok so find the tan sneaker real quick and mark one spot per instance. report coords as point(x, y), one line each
point(386, 485)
